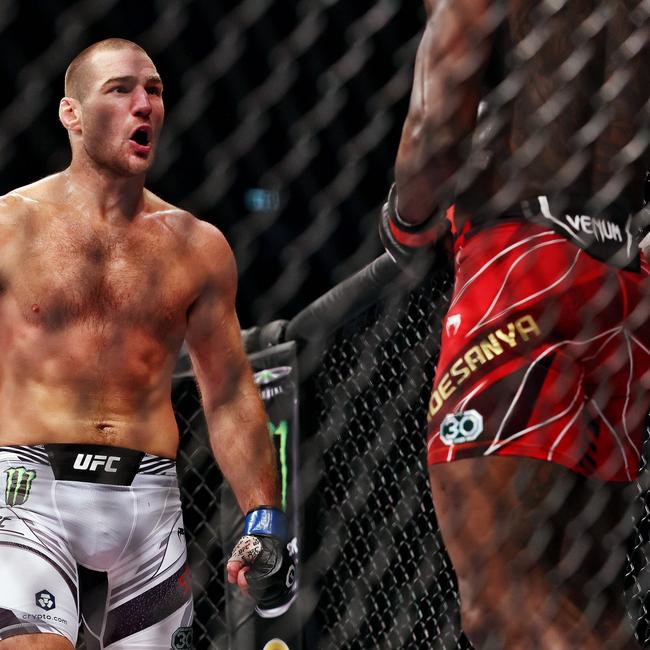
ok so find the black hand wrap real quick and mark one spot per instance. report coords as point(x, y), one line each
point(411, 246)
point(272, 575)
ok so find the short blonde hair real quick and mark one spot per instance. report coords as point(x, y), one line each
point(77, 73)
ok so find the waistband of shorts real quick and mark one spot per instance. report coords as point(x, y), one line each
point(510, 222)
point(610, 237)
point(91, 463)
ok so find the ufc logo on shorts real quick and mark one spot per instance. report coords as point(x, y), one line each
point(92, 462)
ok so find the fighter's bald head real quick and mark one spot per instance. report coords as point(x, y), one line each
point(77, 74)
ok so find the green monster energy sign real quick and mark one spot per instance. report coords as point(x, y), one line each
point(282, 431)
point(19, 484)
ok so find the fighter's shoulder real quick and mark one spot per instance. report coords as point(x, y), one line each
point(204, 240)
point(12, 208)
point(210, 246)
point(17, 205)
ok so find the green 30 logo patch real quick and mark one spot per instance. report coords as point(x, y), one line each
point(19, 485)
point(461, 427)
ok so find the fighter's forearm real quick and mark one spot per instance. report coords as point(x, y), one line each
point(442, 111)
point(243, 448)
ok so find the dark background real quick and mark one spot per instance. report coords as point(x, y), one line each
point(301, 100)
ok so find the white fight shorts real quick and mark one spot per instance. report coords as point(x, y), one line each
point(93, 534)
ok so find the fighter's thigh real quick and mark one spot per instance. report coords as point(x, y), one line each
point(36, 642)
point(498, 519)
point(37, 582)
point(158, 616)
point(174, 631)
point(148, 591)
point(517, 526)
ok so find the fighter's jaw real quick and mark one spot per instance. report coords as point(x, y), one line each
point(130, 160)
point(119, 159)
point(139, 162)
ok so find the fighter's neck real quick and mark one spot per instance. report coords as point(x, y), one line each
point(104, 194)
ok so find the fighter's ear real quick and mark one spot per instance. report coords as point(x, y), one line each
point(70, 114)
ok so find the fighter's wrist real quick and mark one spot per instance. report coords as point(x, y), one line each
point(400, 239)
point(398, 220)
point(266, 520)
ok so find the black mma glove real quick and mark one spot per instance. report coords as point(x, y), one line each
point(412, 247)
point(272, 574)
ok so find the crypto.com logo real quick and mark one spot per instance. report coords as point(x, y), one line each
point(45, 600)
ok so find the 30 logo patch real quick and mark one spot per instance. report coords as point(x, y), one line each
point(45, 600)
point(18, 485)
point(183, 639)
point(461, 427)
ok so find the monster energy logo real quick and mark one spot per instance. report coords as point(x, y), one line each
point(269, 375)
point(19, 484)
point(282, 431)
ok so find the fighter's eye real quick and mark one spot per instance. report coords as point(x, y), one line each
point(119, 89)
point(154, 90)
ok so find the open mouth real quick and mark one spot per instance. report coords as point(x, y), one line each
point(141, 136)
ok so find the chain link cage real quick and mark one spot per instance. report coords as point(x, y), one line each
point(380, 548)
point(374, 556)
point(283, 120)
point(387, 581)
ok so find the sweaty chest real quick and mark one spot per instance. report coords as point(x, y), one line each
point(68, 276)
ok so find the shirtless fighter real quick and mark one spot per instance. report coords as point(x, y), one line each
point(100, 282)
point(542, 387)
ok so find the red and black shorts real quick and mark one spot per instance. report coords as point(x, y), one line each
point(545, 353)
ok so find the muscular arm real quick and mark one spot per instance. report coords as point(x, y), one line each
point(233, 408)
point(450, 59)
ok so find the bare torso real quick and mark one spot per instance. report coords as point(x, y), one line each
point(564, 60)
point(92, 316)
